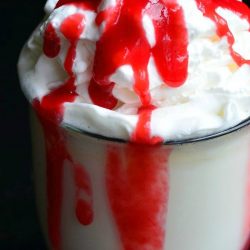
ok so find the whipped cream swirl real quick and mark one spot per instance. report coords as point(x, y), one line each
point(213, 94)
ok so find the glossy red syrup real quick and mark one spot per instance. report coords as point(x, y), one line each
point(84, 202)
point(102, 95)
point(71, 28)
point(208, 7)
point(87, 4)
point(124, 24)
point(138, 188)
point(141, 134)
point(52, 43)
point(55, 155)
point(50, 111)
point(170, 52)
point(131, 47)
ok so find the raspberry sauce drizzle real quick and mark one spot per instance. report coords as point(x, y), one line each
point(50, 111)
point(71, 28)
point(137, 186)
point(124, 22)
point(208, 8)
point(102, 95)
point(142, 131)
point(51, 44)
point(132, 47)
point(170, 52)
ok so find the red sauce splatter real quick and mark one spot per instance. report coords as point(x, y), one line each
point(137, 185)
point(51, 44)
point(209, 10)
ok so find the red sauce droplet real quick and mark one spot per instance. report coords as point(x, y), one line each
point(51, 42)
point(102, 95)
point(209, 10)
point(84, 212)
point(72, 28)
point(138, 191)
point(84, 202)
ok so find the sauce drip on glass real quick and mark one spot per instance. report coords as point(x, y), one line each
point(50, 111)
point(138, 191)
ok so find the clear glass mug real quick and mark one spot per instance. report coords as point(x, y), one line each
point(111, 195)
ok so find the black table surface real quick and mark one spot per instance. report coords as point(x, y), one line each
point(19, 227)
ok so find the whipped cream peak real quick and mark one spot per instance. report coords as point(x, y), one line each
point(158, 70)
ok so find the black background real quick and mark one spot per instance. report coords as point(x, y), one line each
point(19, 228)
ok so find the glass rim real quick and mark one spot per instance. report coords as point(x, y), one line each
point(219, 134)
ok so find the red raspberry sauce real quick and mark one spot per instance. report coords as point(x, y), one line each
point(137, 184)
